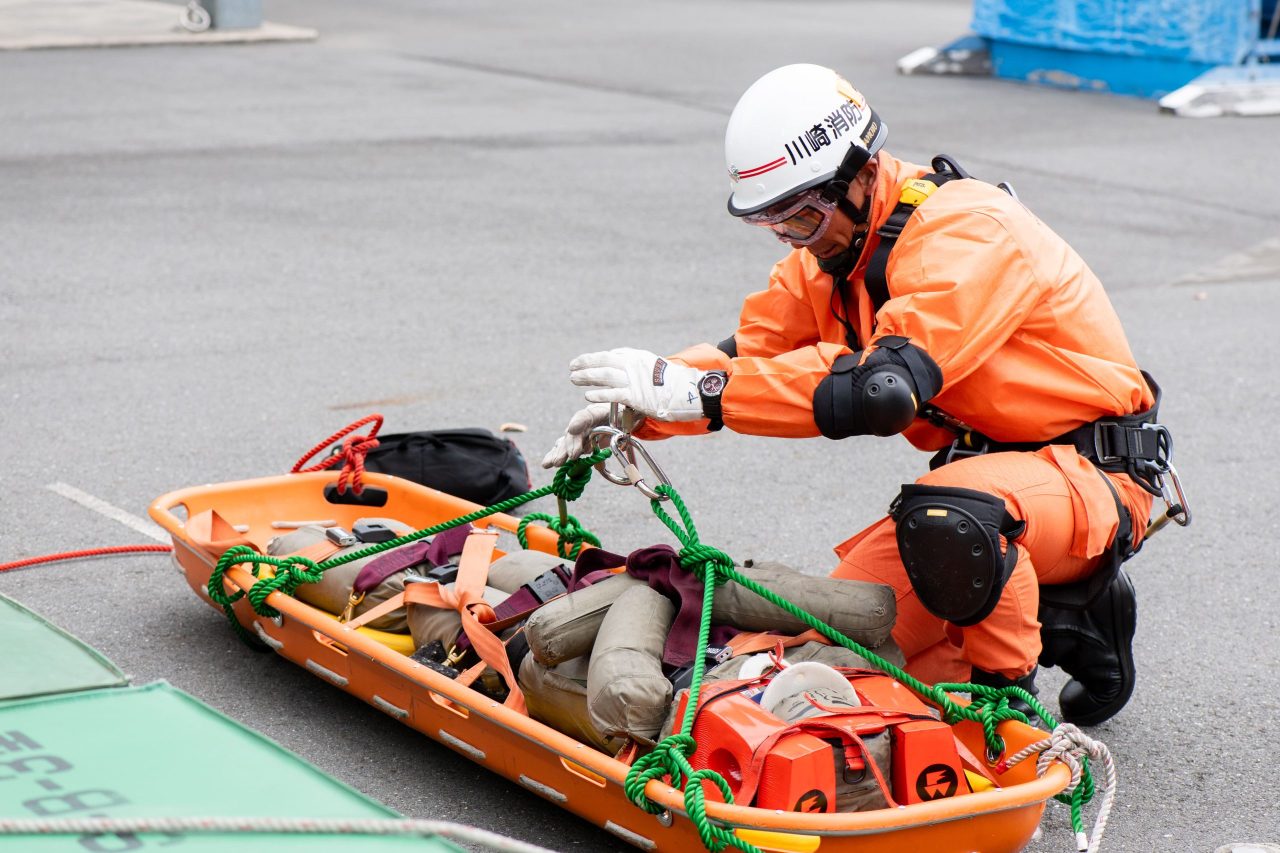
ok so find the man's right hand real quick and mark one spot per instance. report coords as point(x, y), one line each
point(576, 440)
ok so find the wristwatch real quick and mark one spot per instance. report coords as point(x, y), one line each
point(710, 387)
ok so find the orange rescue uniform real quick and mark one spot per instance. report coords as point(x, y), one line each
point(1029, 347)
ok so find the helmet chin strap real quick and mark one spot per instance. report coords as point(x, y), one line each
point(839, 266)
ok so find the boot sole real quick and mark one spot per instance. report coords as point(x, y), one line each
point(1123, 612)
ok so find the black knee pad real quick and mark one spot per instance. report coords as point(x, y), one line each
point(949, 539)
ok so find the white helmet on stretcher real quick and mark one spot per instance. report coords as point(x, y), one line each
point(797, 127)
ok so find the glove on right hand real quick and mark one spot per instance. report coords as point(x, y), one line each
point(576, 440)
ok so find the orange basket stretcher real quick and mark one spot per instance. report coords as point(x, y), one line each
point(375, 667)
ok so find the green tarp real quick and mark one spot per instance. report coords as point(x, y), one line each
point(39, 659)
point(75, 742)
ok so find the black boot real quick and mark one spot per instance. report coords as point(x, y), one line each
point(995, 679)
point(1095, 647)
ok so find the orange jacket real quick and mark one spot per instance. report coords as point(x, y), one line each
point(1027, 340)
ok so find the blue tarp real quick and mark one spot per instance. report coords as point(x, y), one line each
point(1215, 32)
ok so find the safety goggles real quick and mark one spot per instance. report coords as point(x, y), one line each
point(801, 219)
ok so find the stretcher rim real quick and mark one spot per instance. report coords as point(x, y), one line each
point(314, 639)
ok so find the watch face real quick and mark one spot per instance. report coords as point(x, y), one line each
point(712, 384)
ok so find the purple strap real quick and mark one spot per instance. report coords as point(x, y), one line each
point(661, 569)
point(436, 551)
point(594, 565)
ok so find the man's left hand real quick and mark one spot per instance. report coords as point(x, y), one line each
point(639, 380)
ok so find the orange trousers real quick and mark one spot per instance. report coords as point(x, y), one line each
point(1071, 518)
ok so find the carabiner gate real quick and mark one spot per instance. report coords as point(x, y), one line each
point(625, 449)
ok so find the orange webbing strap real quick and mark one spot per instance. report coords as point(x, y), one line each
point(750, 642)
point(317, 552)
point(467, 597)
point(393, 603)
point(849, 726)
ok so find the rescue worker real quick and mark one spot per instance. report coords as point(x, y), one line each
point(918, 301)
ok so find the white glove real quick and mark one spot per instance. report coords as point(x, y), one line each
point(641, 381)
point(576, 440)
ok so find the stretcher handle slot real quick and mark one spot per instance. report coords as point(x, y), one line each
point(325, 640)
point(449, 705)
point(583, 773)
point(371, 496)
point(175, 521)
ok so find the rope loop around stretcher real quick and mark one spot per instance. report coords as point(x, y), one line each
point(290, 572)
point(669, 759)
point(989, 706)
point(572, 535)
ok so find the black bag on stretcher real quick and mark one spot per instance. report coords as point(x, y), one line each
point(472, 463)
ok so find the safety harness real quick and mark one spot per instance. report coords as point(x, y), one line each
point(913, 194)
point(1132, 444)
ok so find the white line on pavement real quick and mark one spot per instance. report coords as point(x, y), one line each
point(146, 528)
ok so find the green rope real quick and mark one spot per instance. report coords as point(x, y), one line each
point(669, 759)
point(290, 572)
point(570, 530)
point(989, 706)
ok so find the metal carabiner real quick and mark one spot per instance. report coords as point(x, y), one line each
point(1176, 511)
point(611, 435)
point(625, 448)
point(628, 447)
point(1183, 514)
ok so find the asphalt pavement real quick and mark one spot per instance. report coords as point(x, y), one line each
point(213, 257)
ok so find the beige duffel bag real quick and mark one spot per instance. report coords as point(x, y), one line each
point(627, 692)
point(567, 627)
point(557, 696)
point(862, 611)
point(506, 575)
point(332, 592)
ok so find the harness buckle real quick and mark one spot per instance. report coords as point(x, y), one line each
point(454, 657)
point(1116, 441)
point(970, 448)
point(349, 611)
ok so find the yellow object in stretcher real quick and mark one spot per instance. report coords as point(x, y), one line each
point(374, 667)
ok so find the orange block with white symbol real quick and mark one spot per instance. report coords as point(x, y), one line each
point(797, 774)
point(926, 765)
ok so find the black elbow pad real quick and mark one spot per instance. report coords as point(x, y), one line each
point(879, 397)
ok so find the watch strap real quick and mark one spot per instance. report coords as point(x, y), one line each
point(711, 408)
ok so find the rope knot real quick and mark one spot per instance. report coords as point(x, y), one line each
point(291, 572)
point(1079, 753)
point(703, 560)
point(571, 478)
point(669, 759)
point(297, 570)
point(352, 454)
point(353, 451)
point(571, 533)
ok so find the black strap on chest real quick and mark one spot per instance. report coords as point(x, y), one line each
point(913, 194)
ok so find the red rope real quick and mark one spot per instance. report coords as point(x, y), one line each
point(92, 552)
point(352, 454)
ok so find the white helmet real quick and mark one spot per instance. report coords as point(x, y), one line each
point(795, 128)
